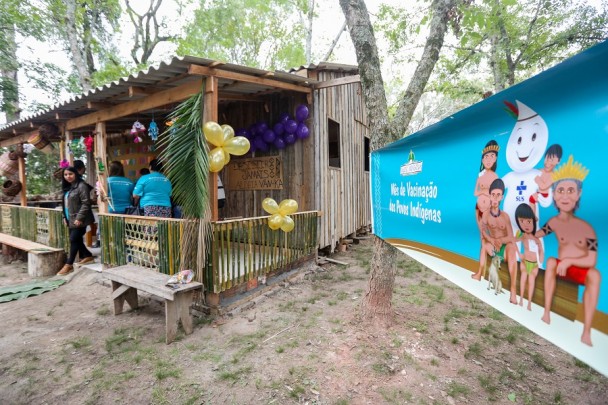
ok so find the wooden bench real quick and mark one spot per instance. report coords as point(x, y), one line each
point(42, 260)
point(126, 280)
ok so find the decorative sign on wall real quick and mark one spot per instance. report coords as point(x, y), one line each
point(133, 156)
point(264, 173)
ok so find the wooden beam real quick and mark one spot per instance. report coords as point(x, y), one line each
point(92, 105)
point(22, 178)
point(338, 82)
point(17, 139)
point(241, 77)
point(159, 99)
point(210, 113)
point(139, 91)
point(239, 97)
point(100, 156)
point(64, 116)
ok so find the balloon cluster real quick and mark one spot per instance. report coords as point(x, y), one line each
point(226, 144)
point(279, 213)
point(286, 131)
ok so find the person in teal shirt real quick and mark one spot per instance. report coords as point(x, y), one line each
point(120, 189)
point(153, 192)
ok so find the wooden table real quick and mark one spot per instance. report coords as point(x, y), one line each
point(126, 280)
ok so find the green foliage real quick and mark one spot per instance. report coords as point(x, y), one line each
point(39, 168)
point(247, 32)
point(185, 156)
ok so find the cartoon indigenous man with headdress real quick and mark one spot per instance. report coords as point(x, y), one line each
point(577, 244)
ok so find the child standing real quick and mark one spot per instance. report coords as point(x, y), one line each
point(533, 251)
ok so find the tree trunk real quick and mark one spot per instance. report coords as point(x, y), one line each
point(495, 65)
point(309, 17)
point(76, 50)
point(376, 304)
point(8, 71)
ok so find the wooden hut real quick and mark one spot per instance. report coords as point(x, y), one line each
point(328, 172)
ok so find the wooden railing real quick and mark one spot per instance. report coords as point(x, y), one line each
point(42, 225)
point(240, 250)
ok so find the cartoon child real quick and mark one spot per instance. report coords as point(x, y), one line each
point(553, 156)
point(577, 244)
point(487, 174)
point(533, 251)
point(497, 234)
point(525, 147)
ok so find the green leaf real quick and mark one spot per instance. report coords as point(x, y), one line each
point(512, 397)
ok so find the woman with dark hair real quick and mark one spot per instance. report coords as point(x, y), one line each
point(153, 192)
point(120, 189)
point(78, 215)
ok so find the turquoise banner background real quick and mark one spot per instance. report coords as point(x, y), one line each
point(571, 98)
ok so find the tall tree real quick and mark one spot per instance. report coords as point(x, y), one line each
point(85, 27)
point(248, 32)
point(147, 31)
point(16, 17)
point(376, 304)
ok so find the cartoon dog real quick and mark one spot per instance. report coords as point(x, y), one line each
point(494, 278)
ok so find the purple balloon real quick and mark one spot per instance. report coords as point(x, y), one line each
point(269, 136)
point(253, 131)
point(279, 128)
point(302, 131)
point(301, 112)
point(279, 143)
point(242, 132)
point(260, 144)
point(283, 117)
point(290, 139)
point(290, 126)
point(262, 127)
point(252, 147)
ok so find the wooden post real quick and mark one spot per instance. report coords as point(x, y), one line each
point(68, 141)
point(22, 179)
point(100, 156)
point(210, 114)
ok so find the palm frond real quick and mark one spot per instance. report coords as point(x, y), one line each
point(185, 158)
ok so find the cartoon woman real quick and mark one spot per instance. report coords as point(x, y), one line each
point(487, 174)
point(533, 251)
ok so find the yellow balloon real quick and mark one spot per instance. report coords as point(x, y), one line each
point(288, 207)
point(226, 157)
point(213, 133)
point(288, 224)
point(217, 159)
point(270, 206)
point(239, 145)
point(275, 221)
point(227, 132)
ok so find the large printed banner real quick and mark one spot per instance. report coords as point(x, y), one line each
point(509, 200)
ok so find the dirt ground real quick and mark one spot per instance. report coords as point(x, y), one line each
point(299, 343)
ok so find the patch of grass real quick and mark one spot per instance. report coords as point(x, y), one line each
point(487, 329)
point(455, 389)
point(473, 351)
point(434, 362)
point(395, 396)
point(165, 369)
point(382, 368)
point(80, 342)
point(410, 267)
point(235, 375)
point(496, 314)
point(454, 313)
point(280, 349)
point(331, 303)
point(455, 340)
point(557, 398)
point(297, 391)
point(159, 396)
point(342, 401)
point(124, 339)
point(541, 362)
point(420, 326)
point(486, 382)
point(103, 311)
point(342, 295)
point(32, 318)
point(581, 364)
point(288, 306)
